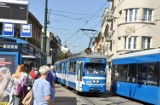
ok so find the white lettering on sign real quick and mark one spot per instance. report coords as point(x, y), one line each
point(2, 59)
point(26, 28)
point(8, 27)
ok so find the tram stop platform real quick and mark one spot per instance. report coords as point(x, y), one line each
point(64, 96)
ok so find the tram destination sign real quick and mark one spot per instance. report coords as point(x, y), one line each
point(14, 11)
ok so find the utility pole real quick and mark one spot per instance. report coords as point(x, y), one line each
point(45, 31)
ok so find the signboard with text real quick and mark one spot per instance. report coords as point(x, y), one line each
point(14, 11)
point(8, 29)
point(26, 30)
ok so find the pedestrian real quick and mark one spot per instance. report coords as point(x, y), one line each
point(19, 79)
point(52, 76)
point(42, 89)
point(34, 73)
point(52, 79)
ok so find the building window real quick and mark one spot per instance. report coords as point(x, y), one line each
point(130, 42)
point(147, 15)
point(146, 42)
point(131, 15)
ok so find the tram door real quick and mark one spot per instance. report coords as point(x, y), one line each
point(66, 78)
point(63, 74)
point(79, 75)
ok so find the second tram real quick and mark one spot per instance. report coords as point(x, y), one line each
point(83, 73)
point(137, 75)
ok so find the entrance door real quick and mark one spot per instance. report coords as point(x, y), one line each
point(79, 75)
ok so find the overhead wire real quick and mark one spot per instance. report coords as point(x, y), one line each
point(58, 28)
point(87, 21)
point(75, 13)
point(80, 19)
point(101, 20)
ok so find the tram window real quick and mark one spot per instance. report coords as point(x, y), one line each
point(132, 73)
point(72, 66)
point(115, 73)
point(122, 72)
point(57, 67)
point(148, 73)
point(60, 67)
point(94, 68)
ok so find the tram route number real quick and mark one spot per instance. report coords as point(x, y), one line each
point(4, 103)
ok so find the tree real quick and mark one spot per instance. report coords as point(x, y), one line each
point(63, 55)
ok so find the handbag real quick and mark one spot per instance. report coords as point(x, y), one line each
point(19, 88)
point(28, 99)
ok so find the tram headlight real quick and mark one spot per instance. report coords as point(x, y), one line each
point(94, 81)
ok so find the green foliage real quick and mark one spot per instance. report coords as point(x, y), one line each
point(63, 56)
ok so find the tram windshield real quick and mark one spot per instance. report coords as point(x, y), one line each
point(94, 68)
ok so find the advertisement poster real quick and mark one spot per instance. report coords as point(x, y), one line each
point(7, 66)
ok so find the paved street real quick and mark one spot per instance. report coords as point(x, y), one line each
point(67, 97)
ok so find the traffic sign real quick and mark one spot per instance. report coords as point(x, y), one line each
point(26, 30)
point(8, 29)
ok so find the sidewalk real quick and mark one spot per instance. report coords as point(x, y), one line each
point(66, 97)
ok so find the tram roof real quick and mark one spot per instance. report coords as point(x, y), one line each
point(140, 53)
point(84, 55)
point(18, 41)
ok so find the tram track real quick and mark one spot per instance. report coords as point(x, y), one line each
point(85, 99)
point(82, 97)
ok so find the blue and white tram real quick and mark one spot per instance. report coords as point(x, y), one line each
point(84, 73)
point(137, 75)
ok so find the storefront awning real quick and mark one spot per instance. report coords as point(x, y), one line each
point(28, 56)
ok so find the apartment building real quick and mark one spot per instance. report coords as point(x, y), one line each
point(128, 26)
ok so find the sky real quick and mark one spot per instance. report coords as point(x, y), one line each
point(67, 18)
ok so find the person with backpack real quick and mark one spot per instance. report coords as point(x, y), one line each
point(19, 79)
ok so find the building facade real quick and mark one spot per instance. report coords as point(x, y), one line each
point(133, 25)
point(129, 26)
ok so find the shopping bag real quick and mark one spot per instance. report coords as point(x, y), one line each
point(28, 99)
